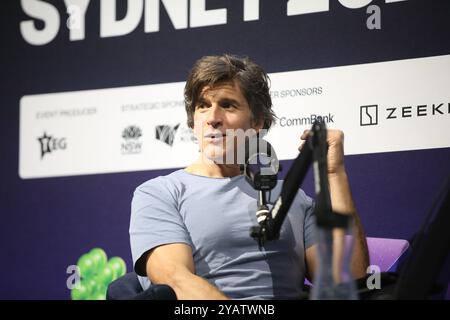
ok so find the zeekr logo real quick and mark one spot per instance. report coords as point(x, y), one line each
point(368, 115)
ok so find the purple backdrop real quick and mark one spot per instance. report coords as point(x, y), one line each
point(46, 224)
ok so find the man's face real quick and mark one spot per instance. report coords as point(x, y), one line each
point(220, 110)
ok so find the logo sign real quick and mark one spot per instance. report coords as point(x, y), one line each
point(131, 144)
point(166, 134)
point(49, 144)
point(392, 100)
point(368, 115)
point(304, 120)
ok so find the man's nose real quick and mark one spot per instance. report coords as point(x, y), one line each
point(214, 116)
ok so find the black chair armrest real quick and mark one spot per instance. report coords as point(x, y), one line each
point(128, 287)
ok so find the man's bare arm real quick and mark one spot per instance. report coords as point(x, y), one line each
point(172, 264)
point(342, 201)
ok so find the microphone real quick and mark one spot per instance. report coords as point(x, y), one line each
point(261, 168)
point(261, 163)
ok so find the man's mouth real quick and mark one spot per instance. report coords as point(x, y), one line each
point(217, 135)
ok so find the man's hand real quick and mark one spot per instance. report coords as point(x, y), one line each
point(335, 159)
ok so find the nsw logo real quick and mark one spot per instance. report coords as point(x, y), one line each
point(131, 143)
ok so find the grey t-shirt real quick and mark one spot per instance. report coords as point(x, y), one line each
point(214, 216)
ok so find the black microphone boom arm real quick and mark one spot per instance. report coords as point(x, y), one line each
point(314, 151)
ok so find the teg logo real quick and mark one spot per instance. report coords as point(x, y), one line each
point(182, 13)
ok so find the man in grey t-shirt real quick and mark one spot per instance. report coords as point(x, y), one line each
point(190, 229)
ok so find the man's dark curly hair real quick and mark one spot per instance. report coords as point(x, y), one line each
point(251, 78)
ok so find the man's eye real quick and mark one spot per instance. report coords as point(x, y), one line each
point(227, 105)
point(200, 106)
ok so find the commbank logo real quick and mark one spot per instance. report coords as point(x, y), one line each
point(306, 120)
point(368, 115)
point(49, 144)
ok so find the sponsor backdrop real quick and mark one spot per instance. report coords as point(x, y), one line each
point(92, 106)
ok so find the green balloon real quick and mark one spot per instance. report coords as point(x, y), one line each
point(98, 296)
point(79, 292)
point(118, 266)
point(99, 290)
point(106, 275)
point(86, 265)
point(92, 284)
point(99, 258)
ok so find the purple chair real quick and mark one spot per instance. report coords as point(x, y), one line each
point(384, 253)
